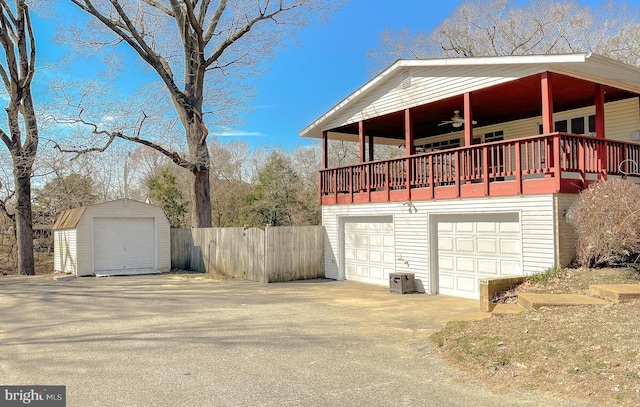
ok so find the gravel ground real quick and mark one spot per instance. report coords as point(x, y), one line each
point(191, 341)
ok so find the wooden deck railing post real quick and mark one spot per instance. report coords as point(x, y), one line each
point(485, 169)
point(430, 169)
point(351, 183)
point(320, 187)
point(518, 168)
point(457, 175)
point(386, 181)
point(407, 175)
point(370, 177)
point(335, 186)
point(582, 151)
point(557, 170)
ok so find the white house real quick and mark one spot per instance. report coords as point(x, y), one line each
point(113, 238)
point(466, 202)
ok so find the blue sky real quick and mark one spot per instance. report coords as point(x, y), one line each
point(304, 81)
point(329, 63)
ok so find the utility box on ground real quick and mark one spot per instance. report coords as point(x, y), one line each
point(402, 283)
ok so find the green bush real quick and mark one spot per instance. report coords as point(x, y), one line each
point(606, 218)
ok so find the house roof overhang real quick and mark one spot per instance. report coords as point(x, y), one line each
point(518, 95)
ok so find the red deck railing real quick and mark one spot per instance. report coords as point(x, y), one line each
point(549, 163)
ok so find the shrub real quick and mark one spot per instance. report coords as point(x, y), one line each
point(606, 218)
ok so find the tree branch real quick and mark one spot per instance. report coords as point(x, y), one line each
point(263, 15)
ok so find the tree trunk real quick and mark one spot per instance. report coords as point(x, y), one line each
point(24, 228)
point(200, 196)
point(199, 157)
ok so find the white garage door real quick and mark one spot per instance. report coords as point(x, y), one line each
point(369, 252)
point(123, 244)
point(471, 247)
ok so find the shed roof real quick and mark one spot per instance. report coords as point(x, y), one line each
point(455, 76)
point(69, 219)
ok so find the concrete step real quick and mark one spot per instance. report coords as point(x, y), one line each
point(531, 301)
point(616, 292)
point(506, 309)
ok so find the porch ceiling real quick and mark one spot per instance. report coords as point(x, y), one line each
point(514, 100)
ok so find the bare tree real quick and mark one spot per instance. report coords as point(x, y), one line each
point(507, 27)
point(194, 46)
point(21, 139)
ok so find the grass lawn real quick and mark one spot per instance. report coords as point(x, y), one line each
point(589, 354)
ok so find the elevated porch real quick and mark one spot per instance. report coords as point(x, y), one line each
point(548, 163)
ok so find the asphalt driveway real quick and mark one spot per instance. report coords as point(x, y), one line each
point(175, 341)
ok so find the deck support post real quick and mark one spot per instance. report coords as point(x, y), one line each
point(325, 155)
point(600, 135)
point(468, 120)
point(547, 103)
point(410, 148)
point(408, 133)
point(361, 140)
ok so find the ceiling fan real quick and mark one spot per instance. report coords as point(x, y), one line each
point(456, 120)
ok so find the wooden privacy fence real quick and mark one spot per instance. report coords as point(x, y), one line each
point(270, 255)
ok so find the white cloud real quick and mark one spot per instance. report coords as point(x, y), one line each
point(238, 133)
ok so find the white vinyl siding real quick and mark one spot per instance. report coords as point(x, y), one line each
point(621, 119)
point(566, 237)
point(64, 251)
point(413, 237)
point(428, 84)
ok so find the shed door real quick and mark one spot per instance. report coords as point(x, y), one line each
point(471, 247)
point(369, 250)
point(123, 243)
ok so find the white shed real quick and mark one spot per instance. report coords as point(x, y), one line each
point(121, 237)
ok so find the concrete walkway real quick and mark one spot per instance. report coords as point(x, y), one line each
point(170, 341)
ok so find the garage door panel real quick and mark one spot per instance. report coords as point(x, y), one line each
point(362, 270)
point(372, 244)
point(513, 267)
point(446, 281)
point(486, 227)
point(487, 245)
point(462, 227)
point(466, 284)
point(510, 227)
point(510, 247)
point(376, 272)
point(488, 266)
point(375, 241)
point(445, 244)
point(446, 263)
point(471, 247)
point(349, 254)
point(465, 245)
point(389, 258)
point(465, 265)
point(445, 227)
point(124, 243)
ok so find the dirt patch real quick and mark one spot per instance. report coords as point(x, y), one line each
point(584, 353)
